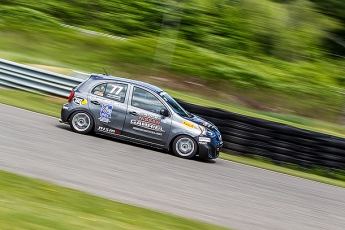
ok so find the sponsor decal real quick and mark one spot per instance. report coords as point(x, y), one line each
point(65, 107)
point(149, 119)
point(188, 124)
point(202, 143)
point(147, 125)
point(80, 101)
point(204, 139)
point(105, 114)
point(108, 130)
point(147, 131)
point(150, 122)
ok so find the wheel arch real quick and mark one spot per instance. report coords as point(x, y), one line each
point(181, 134)
point(178, 135)
point(85, 111)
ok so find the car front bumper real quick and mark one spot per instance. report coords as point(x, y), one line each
point(209, 150)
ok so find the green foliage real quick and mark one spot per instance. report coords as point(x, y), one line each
point(25, 18)
point(129, 17)
point(290, 31)
point(260, 48)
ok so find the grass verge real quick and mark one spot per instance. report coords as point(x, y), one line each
point(285, 170)
point(38, 103)
point(51, 106)
point(33, 204)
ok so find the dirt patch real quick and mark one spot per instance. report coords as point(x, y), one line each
point(59, 100)
point(52, 69)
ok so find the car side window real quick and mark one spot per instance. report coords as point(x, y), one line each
point(116, 91)
point(113, 91)
point(99, 90)
point(145, 100)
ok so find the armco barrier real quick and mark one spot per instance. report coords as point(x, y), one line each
point(241, 134)
point(14, 75)
point(282, 143)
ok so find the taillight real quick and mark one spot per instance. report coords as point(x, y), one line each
point(71, 96)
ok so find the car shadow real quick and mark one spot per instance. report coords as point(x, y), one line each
point(104, 137)
point(65, 127)
point(205, 161)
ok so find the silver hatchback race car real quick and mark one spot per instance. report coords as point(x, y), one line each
point(141, 113)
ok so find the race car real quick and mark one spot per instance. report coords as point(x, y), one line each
point(139, 112)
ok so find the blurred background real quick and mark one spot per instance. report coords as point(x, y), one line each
point(279, 58)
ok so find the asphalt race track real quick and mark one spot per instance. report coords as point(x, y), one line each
point(219, 192)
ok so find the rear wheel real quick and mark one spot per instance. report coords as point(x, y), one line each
point(81, 122)
point(184, 147)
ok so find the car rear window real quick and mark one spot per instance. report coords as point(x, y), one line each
point(112, 90)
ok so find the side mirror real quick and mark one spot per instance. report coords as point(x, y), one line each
point(164, 112)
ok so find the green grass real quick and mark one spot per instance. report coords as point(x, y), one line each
point(33, 102)
point(51, 106)
point(34, 204)
point(293, 172)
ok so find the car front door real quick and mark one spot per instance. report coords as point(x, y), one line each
point(143, 119)
point(108, 104)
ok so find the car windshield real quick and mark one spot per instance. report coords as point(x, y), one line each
point(174, 105)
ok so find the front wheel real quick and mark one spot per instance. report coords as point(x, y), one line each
point(184, 147)
point(81, 122)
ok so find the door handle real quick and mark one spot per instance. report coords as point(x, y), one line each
point(95, 102)
point(133, 113)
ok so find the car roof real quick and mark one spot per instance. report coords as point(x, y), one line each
point(126, 80)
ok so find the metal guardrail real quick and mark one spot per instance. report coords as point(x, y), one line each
point(18, 76)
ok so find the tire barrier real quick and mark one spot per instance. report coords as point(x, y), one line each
point(249, 136)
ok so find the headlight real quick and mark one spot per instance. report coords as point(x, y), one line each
point(210, 133)
point(202, 129)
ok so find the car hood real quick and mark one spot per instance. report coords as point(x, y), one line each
point(202, 121)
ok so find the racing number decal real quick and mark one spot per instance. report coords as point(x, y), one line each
point(114, 88)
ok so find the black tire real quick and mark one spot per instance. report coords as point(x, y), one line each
point(259, 144)
point(260, 137)
point(332, 142)
point(235, 147)
point(241, 134)
point(185, 147)
point(332, 157)
point(259, 152)
point(332, 164)
point(81, 122)
point(240, 126)
point(331, 150)
point(236, 140)
point(283, 151)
